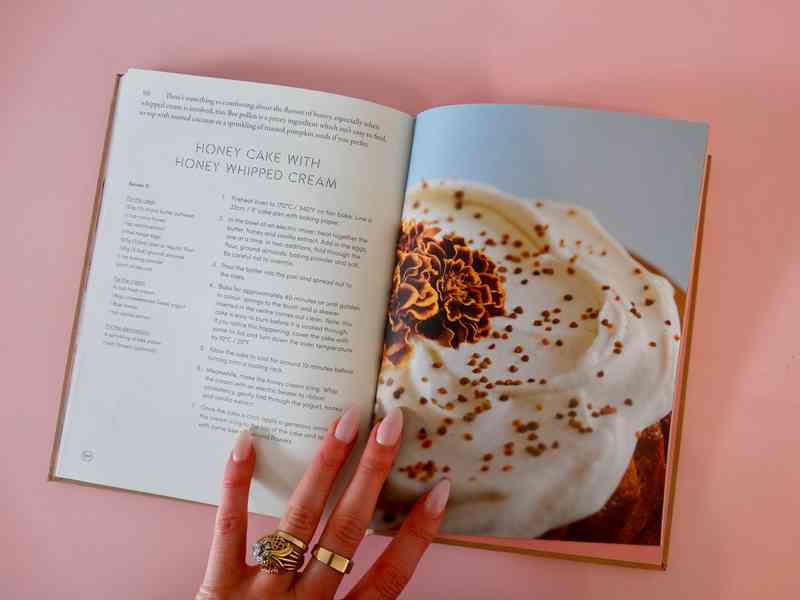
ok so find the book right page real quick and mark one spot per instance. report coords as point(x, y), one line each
point(537, 324)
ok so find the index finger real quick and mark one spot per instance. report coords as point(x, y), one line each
point(226, 557)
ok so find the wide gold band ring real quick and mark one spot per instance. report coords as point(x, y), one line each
point(279, 552)
point(337, 562)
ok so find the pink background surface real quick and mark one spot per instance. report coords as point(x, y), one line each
point(733, 66)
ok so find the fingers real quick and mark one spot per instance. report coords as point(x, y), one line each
point(393, 570)
point(226, 557)
point(308, 500)
point(349, 520)
point(309, 497)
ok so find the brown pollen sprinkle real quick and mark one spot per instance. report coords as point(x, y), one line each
point(524, 282)
point(398, 392)
point(509, 328)
point(628, 402)
point(437, 365)
point(568, 297)
point(649, 302)
point(477, 215)
point(488, 456)
point(427, 443)
point(570, 271)
point(605, 288)
point(464, 380)
point(676, 337)
point(513, 368)
point(519, 310)
point(573, 325)
point(424, 379)
point(525, 358)
point(507, 467)
point(542, 381)
point(600, 373)
point(537, 323)
point(423, 400)
point(559, 416)
point(617, 350)
point(503, 397)
point(442, 391)
point(667, 322)
point(461, 398)
point(446, 469)
point(518, 350)
point(559, 343)
point(485, 468)
point(637, 271)
point(492, 346)
point(441, 430)
point(653, 344)
point(573, 403)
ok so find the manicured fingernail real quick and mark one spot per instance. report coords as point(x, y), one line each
point(347, 427)
point(243, 446)
point(390, 428)
point(437, 498)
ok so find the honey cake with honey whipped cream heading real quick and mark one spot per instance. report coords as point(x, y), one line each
point(527, 349)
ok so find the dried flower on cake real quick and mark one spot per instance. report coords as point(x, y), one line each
point(412, 300)
point(441, 289)
point(469, 292)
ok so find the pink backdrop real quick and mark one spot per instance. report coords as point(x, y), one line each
point(736, 67)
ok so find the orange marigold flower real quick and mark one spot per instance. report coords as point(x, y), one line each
point(469, 293)
point(412, 300)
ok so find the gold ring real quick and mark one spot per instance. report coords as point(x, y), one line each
point(279, 552)
point(335, 561)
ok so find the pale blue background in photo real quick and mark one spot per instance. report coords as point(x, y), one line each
point(641, 176)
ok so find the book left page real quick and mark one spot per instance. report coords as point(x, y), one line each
point(239, 278)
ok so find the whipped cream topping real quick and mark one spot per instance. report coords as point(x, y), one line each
point(535, 423)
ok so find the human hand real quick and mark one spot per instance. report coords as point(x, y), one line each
point(229, 577)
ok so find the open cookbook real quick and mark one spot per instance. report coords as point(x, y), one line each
point(518, 279)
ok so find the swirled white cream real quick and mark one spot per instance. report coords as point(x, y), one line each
point(588, 361)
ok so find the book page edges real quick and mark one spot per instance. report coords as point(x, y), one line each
point(87, 262)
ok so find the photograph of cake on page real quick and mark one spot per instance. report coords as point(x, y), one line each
point(537, 324)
